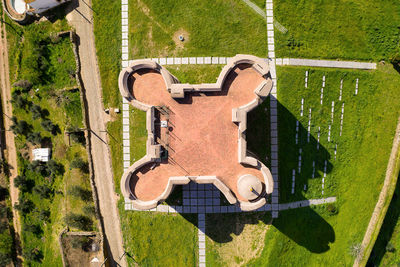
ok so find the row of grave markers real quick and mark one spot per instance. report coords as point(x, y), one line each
point(319, 129)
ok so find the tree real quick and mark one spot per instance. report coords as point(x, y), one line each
point(38, 167)
point(23, 183)
point(20, 127)
point(34, 138)
point(36, 111)
point(18, 99)
point(76, 134)
point(24, 205)
point(89, 210)
point(3, 193)
point(6, 245)
point(79, 163)
point(55, 168)
point(49, 126)
point(33, 228)
point(33, 254)
point(43, 191)
point(79, 221)
point(44, 215)
point(80, 192)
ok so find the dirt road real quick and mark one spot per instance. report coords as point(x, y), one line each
point(10, 151)
point(81, 20)
point(376, 220)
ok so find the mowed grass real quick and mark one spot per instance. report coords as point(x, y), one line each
point(107, 31)
point(159, 239)
point(356, 29)
point(195, 74)
point(314, 236)
point(210, 28)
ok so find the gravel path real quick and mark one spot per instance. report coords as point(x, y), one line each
point(81, 19)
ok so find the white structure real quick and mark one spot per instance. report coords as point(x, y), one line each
point(40, 6)
point(41, 154)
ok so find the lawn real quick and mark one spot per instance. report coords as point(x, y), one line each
point(47, 63)
point(355, 177)
point(210, 28)
point(356, 29)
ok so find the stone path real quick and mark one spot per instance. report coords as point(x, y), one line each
point(235, 209)
point(125, 106)
point(273, 108)
point(201, 225)
point(326, 63)
point(214, 60)
point(258, 10)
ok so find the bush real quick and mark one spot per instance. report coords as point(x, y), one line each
point(18, 99)
point(55, 168)
point(331, 208)
point(24, 184)
point(3, 193)
point(80, 192)
point(390, 247)
point(33, 254)
point(50, 127)
point(79, 163)
point(79, 242)
point(44, 215)
point(36, 111)
point(38, 167)
point(89, 210)
point(24, 84)
point(20, 127)
point(24, 206)
point(78, 221)
point(34, 138)
point(76, 134)
point(34, 229)
point(43, 191)
point(6, 245)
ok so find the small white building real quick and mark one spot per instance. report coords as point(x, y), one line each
point(21, 10)
point(41, 154)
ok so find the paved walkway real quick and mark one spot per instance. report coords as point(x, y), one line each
point(256, 9)
point(202, 209)
point(278, 61)
point(326, 63)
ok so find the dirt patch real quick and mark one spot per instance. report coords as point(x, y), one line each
point(245, 246)
point(184, 34)
point(81, 250)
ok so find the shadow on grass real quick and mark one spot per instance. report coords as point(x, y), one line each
point(304, 226)
point(389, 224)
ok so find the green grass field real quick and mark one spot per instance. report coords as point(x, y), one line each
point(355, 30)
point(210, 28)
point(314, 236)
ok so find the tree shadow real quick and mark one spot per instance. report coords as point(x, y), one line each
point(304, 226)
point(382, 244)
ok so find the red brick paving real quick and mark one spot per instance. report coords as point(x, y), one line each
point(204, 139)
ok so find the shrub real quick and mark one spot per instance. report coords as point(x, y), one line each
point(79, 163)
point(79, 221)
point(20, 127)
point(34, 138)
point(6, 245)
point(33, 228)
point(331, 208)
point(24, 206)
point(390, 247)
point(80, 192)
point(38, 167)
point(79, 242)
point(18, 99)
point(43, 191)
point(89, 210)
point(50, 127)
point(55, 168)
point(33, 254)
point(76, 134)
point(24, 184)
point(36, 111)
point(44, 215)
point(24, 84)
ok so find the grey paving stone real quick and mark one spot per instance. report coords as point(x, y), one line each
point(222, 60)
point(200, 186)
point(209, 201)
point(216, 193)
point(192, 60)
point(209, 209)
point(193, 194)
point(202, 252)
point(193, 186)
point(201, 217)
point(202, 259)
point(163, 61)
point(201, 231)
point(275, 206)
point(155, 59)
point(186, 194)
point(208, 186)
point(186, 209)
point(185, 60)
point(268, 207)
point(177, 60)
point(201, 194)
point(201, 202)
point(231, 208)
point(200, 60)
point(214, 60)
point(178, 209)
point(171, 209)
point(201, 209)
point(209, 194)
point(193, 209)
point(202, 265)
point(170, 61)
point(275, 214)
point(162, 208)
point(207, 60)
point(186, 202)
point(224, 209)
point(217, 209)
point(216, 202)
point(185, 187)
point(193, 202)
point(201, 224)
